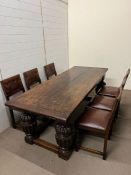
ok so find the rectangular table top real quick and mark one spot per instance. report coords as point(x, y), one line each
point(60, 96)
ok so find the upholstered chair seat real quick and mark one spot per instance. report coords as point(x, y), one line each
point(95, 121)
point(103, 102)
point(110, 91)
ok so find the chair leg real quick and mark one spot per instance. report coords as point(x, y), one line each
point(110, 132)
point(105, 147)
point(117, 110)
point(12, 119)
point(77, 141)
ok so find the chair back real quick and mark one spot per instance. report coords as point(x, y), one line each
point(120, 94)
point(125, 79)
point(50, 70)
point(12, 86)
point(31, 77)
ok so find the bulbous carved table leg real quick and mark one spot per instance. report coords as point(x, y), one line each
point(65, 137)
point(29, 125)
point(100, 85)
point(77, 140)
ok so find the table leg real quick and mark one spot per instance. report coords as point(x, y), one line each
point(29, 125)
point(12, 118)
point(65, 137)
point(100, 85)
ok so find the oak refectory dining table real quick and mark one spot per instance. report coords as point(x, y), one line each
point(60, 99)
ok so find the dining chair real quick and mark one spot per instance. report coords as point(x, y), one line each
point(105, 102)
point(94, 121)
point(12, 87)
point(31, 78)
point(114, 91)
point(50, 70)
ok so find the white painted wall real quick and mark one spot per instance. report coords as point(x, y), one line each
point(21, 39)
point(100, 35)
point(55, 15)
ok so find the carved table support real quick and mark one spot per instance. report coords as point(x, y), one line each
point(29, 125)
point(65, 136)
point(100, 85)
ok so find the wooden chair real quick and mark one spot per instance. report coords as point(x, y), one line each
point(105, 102)
point(108, 104)
point(50, 71)
point(114, 91)
point(99, 122)
point(95, 121)
point(12, 86)
point(31, 78)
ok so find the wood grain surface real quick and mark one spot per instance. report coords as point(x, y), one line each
point(60, 96)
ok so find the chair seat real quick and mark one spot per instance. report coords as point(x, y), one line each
point(110, 91)
point(103, 102)
point(95, 119)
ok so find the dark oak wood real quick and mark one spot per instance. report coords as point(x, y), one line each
point(47, 145)
point(100, 85)
point(59, 99)
point(31, 127)
point(65, 137)
point(113, 91)
point(99, 103)
point(95, 121)
point(125, 79)
point(50, 70)
point(12, 86)
point(31, 78)
point(91, 150)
